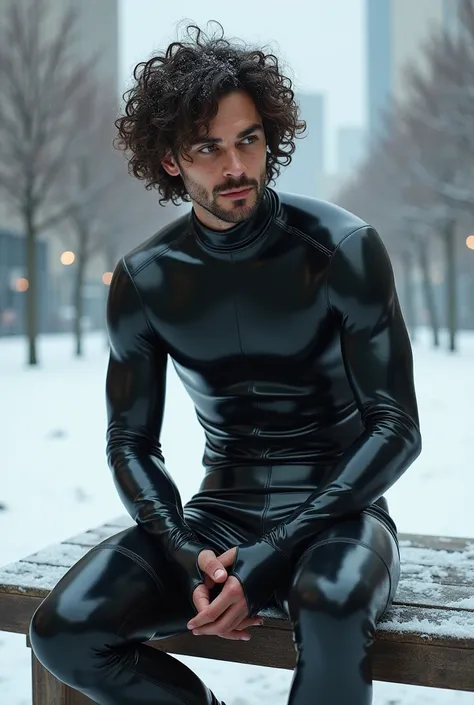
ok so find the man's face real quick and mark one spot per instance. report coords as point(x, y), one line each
point(227, 176)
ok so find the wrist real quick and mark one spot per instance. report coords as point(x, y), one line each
point(260, 568)
point(184, 556)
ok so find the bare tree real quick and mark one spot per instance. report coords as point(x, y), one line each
point(439, 131)
point(113, 212)
point(91, 175)
point(40, 84)
point(130, 214)
point(426, 159)
point(385, 193)
point(414, 205)
point(376, 195)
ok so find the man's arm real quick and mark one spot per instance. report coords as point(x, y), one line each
point(378, 360)
point(135, 392)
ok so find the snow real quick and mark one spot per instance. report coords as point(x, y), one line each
point(457, 624)
point(55, 480)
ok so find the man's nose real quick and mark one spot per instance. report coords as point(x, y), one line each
point(233, 164)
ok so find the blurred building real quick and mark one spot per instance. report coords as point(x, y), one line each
point(97, 39)
point(396, 31)
point(14, 284)
point(96, 36)
point(350, 149)
point(304, 174)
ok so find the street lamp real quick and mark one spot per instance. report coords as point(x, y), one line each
point(21, 284)
point(107, 278)
point(470, 242)
point(67, 257)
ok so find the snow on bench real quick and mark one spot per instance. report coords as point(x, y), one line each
point(426, 638)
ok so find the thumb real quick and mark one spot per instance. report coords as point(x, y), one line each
point(212, 566)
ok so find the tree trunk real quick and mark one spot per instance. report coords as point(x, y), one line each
point(79, 289)
point(428, 290)
point(409, 293)
point(111, 259)
point(31, 297)
point(449, 240)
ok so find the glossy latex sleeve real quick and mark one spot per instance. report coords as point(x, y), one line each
point(378, 361)
point(135, 390)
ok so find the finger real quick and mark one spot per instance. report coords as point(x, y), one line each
point(208, 582)
point(249, 622)
point(212, 566)
point(229, 595)
point(232, 621)
point(224, 624)
point(228, 558)
point(201, 598)
point(236, 636)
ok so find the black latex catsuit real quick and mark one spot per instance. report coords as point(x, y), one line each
point(286, 332)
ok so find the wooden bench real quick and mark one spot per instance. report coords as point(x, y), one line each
point(426, 638)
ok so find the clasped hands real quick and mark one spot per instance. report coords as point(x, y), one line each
point(227, 615)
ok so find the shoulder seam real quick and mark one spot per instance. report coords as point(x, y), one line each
point(134, 284)
point(156, 256)
point(347, 235)
point(336, 249)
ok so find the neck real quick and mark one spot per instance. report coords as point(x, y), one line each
point(209, 220)
point(238, 235)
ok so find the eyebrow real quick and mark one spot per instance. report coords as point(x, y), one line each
point(215, 140)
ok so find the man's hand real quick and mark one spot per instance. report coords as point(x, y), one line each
point(227, 615)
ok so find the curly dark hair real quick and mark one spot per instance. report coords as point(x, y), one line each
point(177, 94)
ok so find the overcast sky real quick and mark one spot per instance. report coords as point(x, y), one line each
point(323, 44)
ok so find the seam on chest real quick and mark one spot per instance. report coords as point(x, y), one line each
point(294, 231)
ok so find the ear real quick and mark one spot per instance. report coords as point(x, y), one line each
point(170, 165)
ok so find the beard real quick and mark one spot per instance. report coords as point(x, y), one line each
point(238, 209)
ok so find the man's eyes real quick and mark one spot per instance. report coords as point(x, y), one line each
point(251, 139)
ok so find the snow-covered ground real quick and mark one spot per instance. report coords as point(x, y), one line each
point(55, 482)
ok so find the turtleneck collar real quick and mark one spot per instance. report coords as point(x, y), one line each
point(241, 235)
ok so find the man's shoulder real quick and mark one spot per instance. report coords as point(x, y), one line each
point(157, 245)
point(323, 223)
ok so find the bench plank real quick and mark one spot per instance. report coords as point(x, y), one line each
point(456, 593)
point(414, 560)
point(422, 565)
point(439, 543)
point(401, 624)
point(400, 661)
point(429, 577)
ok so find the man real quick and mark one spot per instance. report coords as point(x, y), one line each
point(281, 318)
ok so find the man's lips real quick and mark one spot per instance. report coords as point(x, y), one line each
point(237, 193)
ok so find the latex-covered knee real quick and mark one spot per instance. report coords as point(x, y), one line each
point(64, 638)
point(339, 588)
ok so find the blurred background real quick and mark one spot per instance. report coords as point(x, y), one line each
point(387, 90)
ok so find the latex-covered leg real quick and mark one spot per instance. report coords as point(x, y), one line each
point(342, 585)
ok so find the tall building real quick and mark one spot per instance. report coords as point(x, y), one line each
point(98, 35)
point(396, 31)
point(379, 61)
point(304, 174)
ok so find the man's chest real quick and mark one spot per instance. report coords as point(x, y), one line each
point(271, 306)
